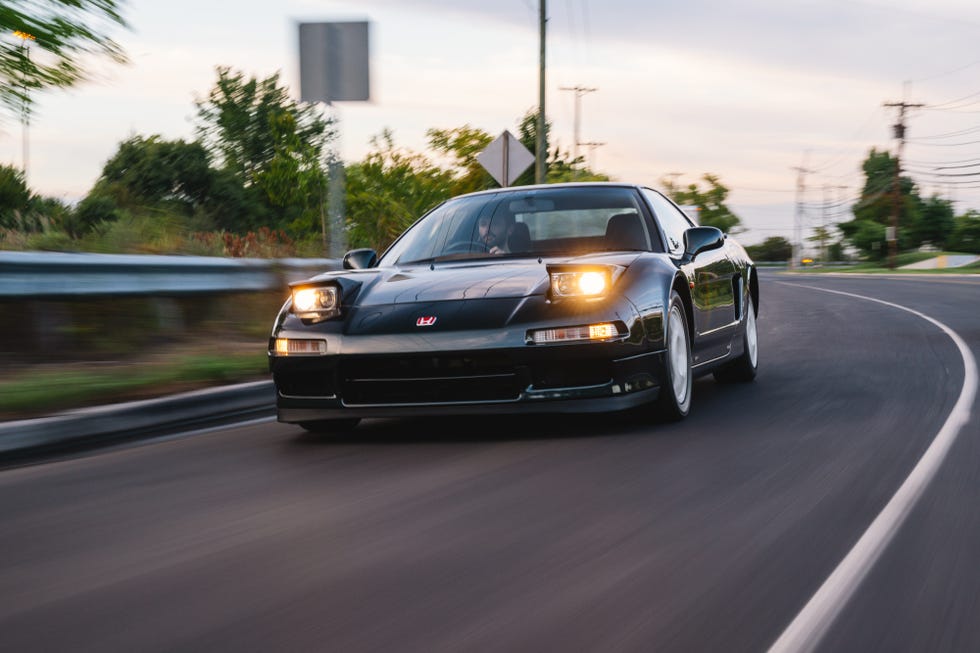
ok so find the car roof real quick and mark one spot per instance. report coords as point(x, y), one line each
point(570, 184)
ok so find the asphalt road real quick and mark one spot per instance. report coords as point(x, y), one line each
point(570, 534)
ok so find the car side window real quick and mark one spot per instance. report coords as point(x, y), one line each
point(672, 221)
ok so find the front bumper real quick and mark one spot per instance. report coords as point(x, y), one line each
point(551, 379)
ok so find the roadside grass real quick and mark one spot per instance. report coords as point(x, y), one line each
point(908, 258)
point(44, 389)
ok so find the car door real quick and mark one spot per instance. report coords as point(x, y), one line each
point(713, 297)
point(711, 274)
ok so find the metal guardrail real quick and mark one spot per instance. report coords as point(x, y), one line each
point(50, 274)
point(134, 420)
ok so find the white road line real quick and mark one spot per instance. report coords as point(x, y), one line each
point(813, 622)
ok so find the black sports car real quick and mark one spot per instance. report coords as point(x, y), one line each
point(560, 298)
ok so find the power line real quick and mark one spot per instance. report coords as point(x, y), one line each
point(758, 190)
point(835, 161)
point(962, 132)
point(956, 101)
point(952, 110)
point(919, 142)
point(937, 163)
point(948, 174)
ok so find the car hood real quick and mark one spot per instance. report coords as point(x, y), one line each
point(459, 296)
point(459, 281)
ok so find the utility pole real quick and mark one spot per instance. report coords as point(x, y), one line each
point(841, 199)
point(25, 116)
point(591, 145)
point(898, 129)
point(801, 173)
point(541, 151)
point(823, 225)
point(579, 92)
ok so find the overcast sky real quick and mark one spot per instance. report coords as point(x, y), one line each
point(745, 90)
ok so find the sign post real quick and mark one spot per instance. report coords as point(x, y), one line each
point(334, 66)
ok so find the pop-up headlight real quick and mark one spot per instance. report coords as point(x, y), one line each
point(316, 302)
point(585, 282)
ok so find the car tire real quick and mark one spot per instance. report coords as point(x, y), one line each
point(331, 426)
point(674, 402)
point(744, 368)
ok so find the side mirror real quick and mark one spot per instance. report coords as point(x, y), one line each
point(360, 259)
point(701, 239)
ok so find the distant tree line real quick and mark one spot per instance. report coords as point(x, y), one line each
point(921, 221)
point(260, 160)
point(257, 168)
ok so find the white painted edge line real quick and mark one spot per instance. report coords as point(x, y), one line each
point(815, 619)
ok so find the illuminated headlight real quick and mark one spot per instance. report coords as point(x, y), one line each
point(317, 302)
point(585, 283)
point(299, 347)
point(592, 332)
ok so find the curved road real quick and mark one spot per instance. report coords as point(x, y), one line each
point(562, 534)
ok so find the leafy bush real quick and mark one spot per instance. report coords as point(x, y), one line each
point(774, 248)
point(966, 234)
point(92, 210)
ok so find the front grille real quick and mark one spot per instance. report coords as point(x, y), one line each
point(313, 383)
point(429, 379)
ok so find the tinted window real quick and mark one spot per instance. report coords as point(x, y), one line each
point(672, 221)
point(537, 222)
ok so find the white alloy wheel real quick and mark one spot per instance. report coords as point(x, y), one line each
point(678, 351)
point(675, 390)
point(751, 336)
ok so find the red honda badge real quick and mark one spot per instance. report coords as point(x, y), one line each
point(425, 321)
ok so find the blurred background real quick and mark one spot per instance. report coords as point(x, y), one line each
point(831, 132)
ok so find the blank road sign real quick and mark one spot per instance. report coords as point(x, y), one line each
point(505, 158)
point(334, 62)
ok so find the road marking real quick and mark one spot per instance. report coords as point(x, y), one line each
point(817, 616)
point(960, 279)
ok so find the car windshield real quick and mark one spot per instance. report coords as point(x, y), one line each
point(519, 223)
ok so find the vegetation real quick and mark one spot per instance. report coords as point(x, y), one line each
point(273, 148)
point(390, 189)
point(772, 249)
point(920, 221)
point(36, 389)
point(710, 201)
point(64, 32)
point(965, 235)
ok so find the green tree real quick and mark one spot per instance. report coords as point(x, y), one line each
point(966, 233)
point(936, 222)
point(15, 198)
point(774, 248)
point(92, 211)
point(154, 172)
point(874, 211)
point(273, 145)
point(868, 236)
point(461, 145)
point(66, 33)
point(527, 134)
point(389, 190)
point(823, 238)
point(710, 202)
